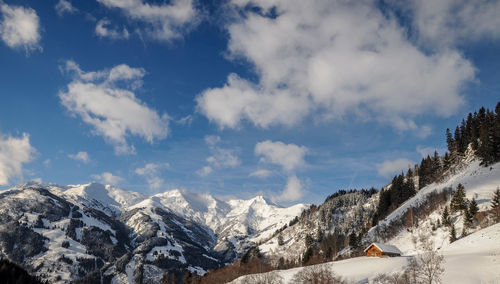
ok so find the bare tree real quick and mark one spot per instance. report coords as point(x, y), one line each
point(264, 278)
point(428, 266)
point(317, 274)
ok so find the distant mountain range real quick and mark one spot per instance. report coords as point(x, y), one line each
point(93, 232)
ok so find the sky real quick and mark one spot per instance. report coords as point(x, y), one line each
point(292, 99)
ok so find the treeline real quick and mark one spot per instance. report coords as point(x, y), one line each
point(482, 131)
point(401, 189)
point(365, 192)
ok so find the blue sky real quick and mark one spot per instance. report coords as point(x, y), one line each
point(290, 99)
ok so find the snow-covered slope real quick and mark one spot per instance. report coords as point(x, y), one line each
point(472, 259)
point(236, 224)
point(344, 214)
point(479, 182)
point(98, 196)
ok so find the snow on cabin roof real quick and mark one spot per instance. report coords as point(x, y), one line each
point(385, 248)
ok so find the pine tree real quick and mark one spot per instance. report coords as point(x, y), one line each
point(453, 234)
point(468, 219)
point(280, 240)
point(473, 209)
point(449, 140)
point(458, 201)
point(495, 201)
point(446, 217)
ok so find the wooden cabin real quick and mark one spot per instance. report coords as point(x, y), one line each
point(377, 249)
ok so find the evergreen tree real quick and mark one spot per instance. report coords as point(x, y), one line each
point(446, 217)
point(473, 209)
point(353, 240)
point(495, 201)
point(449, 140)
point(458, 201)
point(453, 234)
point(309, 241)
point(280, 240)
point(468, 219)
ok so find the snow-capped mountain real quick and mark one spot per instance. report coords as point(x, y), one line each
point(99, 232)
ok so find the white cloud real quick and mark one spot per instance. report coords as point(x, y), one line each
point(220, 157)
point(445, 23)
point(151, 172)
point(292, 192)
point(223, 158)
point(20, 27)
point(102, 29)
point(65, 7)
point(261, 173)
point(47, 162)
point(107, 178)
point(165, 21)
point(37, 180)
point(326, 58)
point(388, 168)
point(205, 171)
point(187, 120)
point(289, 156)
point(211, 140)
point(106, 101)
point(80, 156)
point(14, 152)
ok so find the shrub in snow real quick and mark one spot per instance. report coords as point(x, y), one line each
point(317, 274)
point(264, 278)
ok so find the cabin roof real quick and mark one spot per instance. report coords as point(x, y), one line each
point(385, 248)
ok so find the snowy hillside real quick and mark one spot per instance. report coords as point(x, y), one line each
point(473, 259)
point(479, 183)
point(342, 215)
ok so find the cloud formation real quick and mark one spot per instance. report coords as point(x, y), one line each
point(64, 7)
point(151, 172)
point(328, 59)
point(446, 23)
point(14, 152)
point(161, 21)
point(288, 156)
point(106, 101)
point(107, 178)
point(103, 29)
point(292, 192)
point(219, 158)
point(20, 27)
point(388, 168)
point(261, 173)
point(80, 156)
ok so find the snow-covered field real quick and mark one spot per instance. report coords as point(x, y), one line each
point(472, 259)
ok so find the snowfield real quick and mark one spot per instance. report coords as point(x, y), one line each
point(472, 259)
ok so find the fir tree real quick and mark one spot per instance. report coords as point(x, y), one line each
point(495, 201)
point(468, 219)
point(453, 234)
point(446, 217)
point(458, 201)
point(449, 140)
point(473, 209)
